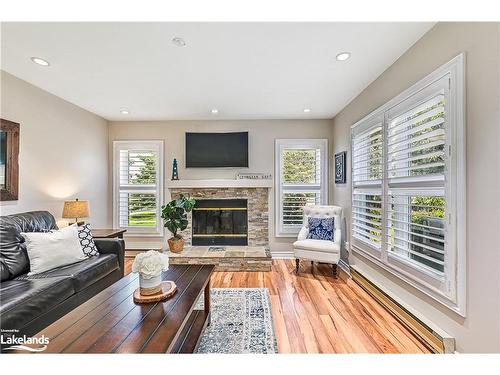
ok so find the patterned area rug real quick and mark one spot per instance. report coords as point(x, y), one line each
point(241, 322)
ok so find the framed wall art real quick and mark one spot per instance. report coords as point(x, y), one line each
point(9, 166)
point(340, 168)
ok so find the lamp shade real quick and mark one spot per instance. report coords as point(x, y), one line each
point(76, 209)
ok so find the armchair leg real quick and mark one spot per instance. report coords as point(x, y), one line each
point(297, 264)
point(334, 271)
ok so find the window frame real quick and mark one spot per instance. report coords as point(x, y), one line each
point(281, 144)
point(139, 145)
point(451, 292)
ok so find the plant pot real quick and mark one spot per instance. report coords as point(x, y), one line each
point(176, 244)
point(150, 286)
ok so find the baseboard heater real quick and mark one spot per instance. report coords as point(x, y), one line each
point(436, 342)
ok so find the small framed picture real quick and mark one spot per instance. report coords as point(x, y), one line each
point(340, 167)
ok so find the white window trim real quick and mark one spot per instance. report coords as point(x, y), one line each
point(456, 194)
point(280, 144)
point(133, 144)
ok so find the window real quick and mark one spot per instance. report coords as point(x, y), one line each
point(408, 194)
point(301, 178)
point(137, 187)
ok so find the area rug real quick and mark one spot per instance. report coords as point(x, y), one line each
point(241, 322)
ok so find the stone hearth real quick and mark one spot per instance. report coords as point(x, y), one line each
point(225, 258)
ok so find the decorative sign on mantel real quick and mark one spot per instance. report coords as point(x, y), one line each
point(242, 183)
point(254, 176)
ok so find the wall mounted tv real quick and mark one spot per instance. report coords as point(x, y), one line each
point(217, 150)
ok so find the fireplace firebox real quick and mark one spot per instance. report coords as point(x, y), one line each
point(220, 222)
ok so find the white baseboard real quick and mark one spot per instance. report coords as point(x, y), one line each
point(344, 267)
point(282, 254)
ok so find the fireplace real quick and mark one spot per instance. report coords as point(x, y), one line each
point(220, 222)
point(256, 199)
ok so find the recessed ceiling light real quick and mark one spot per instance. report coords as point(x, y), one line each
point(343, 56)
point(179, 42)
point(307, 110)
point(39, 61)
point(124, 112)
point(214, 111)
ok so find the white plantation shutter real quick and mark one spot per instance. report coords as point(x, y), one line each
point(367, 175)
point(416, 166)
point(367, 159)
point(367, 217)
point(416, 140)
point(301, 166)
point(138, 188)
point(138, 185)
point(293, 201)
point(408, 194)
point(416, 228)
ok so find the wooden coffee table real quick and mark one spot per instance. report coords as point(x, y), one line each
point(111, 322)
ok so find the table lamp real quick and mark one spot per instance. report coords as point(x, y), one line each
point(76, 209)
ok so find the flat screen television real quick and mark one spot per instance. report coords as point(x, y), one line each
point(217, 150)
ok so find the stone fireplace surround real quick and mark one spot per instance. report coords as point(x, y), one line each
point(258, 208)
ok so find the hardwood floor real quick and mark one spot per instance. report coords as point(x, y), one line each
point(315, 313)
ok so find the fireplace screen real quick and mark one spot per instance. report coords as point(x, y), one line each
point(220, 222)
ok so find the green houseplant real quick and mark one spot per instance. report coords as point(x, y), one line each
point(174, 215)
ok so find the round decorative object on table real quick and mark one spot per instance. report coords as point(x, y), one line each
point(166, 290)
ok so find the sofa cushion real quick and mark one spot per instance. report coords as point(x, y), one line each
point(13, 256)
point(25, 300)
point(81, 274)
point(317, 245)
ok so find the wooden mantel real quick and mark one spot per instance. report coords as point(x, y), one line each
point(219, 183)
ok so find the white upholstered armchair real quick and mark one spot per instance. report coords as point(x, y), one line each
point(319, 250)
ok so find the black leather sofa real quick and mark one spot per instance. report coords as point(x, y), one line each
point(30, 303)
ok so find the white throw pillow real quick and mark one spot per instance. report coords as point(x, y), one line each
point(53, 249)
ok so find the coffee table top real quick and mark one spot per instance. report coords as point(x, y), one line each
point(111, 321)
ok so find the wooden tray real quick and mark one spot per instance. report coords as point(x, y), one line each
point(168, 289)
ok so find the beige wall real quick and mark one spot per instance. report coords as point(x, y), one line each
point(262, 134)
point(63, 152)
point(480, 330)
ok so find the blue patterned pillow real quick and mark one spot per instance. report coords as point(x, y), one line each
point(320, 228)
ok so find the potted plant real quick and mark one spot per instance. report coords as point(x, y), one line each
point(174, 215)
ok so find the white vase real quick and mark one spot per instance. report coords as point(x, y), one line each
point(149, 286)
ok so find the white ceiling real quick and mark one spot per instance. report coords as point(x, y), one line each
point(246, 70)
